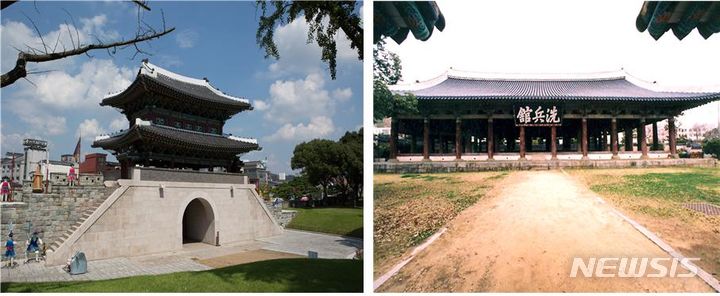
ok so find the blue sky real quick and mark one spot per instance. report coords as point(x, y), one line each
point(295, 100)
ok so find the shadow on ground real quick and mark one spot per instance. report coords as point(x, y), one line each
point(282, 275)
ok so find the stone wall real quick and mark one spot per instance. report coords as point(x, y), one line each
point(475, 166)
point(52, 214)
point(283, 217)
point(174, 175)
point(145, 217)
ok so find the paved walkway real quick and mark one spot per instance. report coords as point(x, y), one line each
point(291, 241)
point(523, 238)
point(327, 246)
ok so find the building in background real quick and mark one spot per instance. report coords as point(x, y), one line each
point(56, 166)
point(96, 163)
point(68, 158)
point(13, 168)
point(35, 152)
point(258, 174)
point(695, 133)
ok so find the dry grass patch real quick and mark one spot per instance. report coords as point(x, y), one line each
point(654, 198)
point(409, 208)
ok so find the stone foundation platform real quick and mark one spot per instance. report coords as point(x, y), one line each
point(400, 167)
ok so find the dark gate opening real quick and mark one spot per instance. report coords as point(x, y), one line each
point(198, 223)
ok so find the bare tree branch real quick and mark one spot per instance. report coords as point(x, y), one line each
point(38, 32)
point(142, 4)
point(23, 58)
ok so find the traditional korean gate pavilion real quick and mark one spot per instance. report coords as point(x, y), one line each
point(464, 118)
point(175, 122)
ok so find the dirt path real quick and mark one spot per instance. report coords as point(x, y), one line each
point(524, 238)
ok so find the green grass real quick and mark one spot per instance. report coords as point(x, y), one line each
point(698, 185)
point(342, 221)
point(282, 275)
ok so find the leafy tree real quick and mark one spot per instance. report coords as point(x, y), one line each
point(334, 166)
point(296, 187)
point(319, 160)
point(324, 19)
point(387, 71)
point(387, 66)
point(712, 146)
point(352, 163)
point(712, 134)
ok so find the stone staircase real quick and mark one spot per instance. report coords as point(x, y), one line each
point(86, 214)
point(89, 210)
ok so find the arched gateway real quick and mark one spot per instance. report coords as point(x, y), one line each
point(198, 222)
point(180, 178)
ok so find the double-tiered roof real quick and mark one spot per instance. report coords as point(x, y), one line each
point(176, 91)
point(175, 121)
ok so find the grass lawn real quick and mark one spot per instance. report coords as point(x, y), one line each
point(282, 275)
point(655, 197)
point(342, 221)
point(409, 208)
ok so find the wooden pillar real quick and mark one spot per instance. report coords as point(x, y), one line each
point(672, 134)
point(426, 138)
point(393, 138)
point(642, 138)
point(553, 142)
point(124, 169)
point(584, 139)
point(458, 138)
point(522, 142)
point(579, 140)
point(628, 139)
point(490, 139)
point(655, 144)
point(614, 138)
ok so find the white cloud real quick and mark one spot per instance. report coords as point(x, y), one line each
point(342, 94)
point(13, 142)
point(89, 128)
point(18, 36)
point(318, 127)
point(297, 56)
point(186, 38)
point(297, 100)
point(95, 27)
point(38, 120)
point(83, 90)
point(118, 124)
point(261, 105)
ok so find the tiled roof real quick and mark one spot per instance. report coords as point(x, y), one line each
point(617, 88)
point(158, 78)
point(166, 135)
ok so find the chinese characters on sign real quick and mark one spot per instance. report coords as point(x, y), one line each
point(537, 115)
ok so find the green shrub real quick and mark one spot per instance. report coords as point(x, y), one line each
point(712, 146)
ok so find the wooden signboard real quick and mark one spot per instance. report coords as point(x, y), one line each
point(537, 115)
